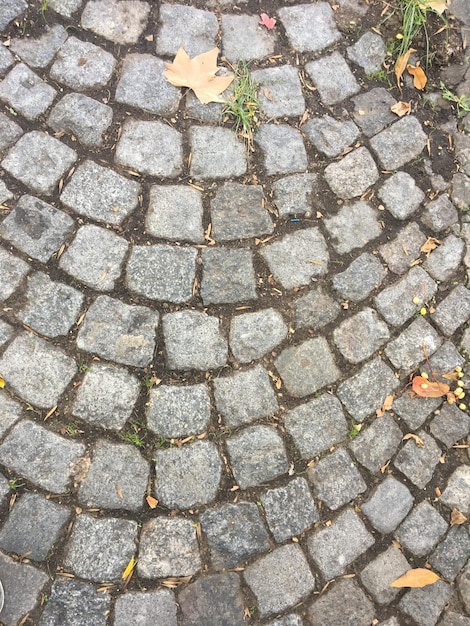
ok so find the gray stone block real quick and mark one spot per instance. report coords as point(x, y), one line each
point(389, 504)
point(82, 66)
point(178, 411)
point(401, 196)
point(400, 253)
point(216, 153)
point(421, 530)
point(413, 345)
point(212, 600)
point(452, 553)
point(460, 194)
point(450, 424)
point(463, 583)
point(234, 532)
point(353, 226)
point(453, 311)
point(445, 260)
point(360, 278)
point(11, 9)
point(209, 113)
point(457, 493)
point(444, 359)
point(280, 579)
point(75, 603)
point(359, 336)
point(252, 335)
point(293, 194)
point(257, 455)
point(425, 605)
point(122, 23)
point(310, 28)
point(65, 7)
point(175, 213)
point(26, 93)
point(329, 608)
point(454, 619)
point(44, 458)
point(288, 620)
point(377, 443)
point(15, 576)
point(6, 60)
point(440, 214)
point(39, 52)
point(242, 38)
point(372, 110)
point(185, 26)
point(6, 332)
point(333, 78)
point(13, 272)
point(10, 412)
point(147, 608)
point(378, 575)
point(400, 143)
point(330, 136)
point(418, 463)
point(189, 476)
point(10, 131)
point(353, 174)
point(228, 276)
point(315, 310)
point(368, 52)
point(414, 410)
point(280, 91)
point(283, 149)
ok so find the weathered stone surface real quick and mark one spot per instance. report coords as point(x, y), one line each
point(252, 335)
point(188, 476)
point(283, 149)
point(417, 463)
point(452, 553)
point(401, 195)
point(234, 532)
point(389, 504)
point(40, 51)
point(293, 194)
point(6, 59)
point(461, 191)
point(44, 458)
point(178, 411)
point(257, 455)
point(15, 576)
point(175, 213)
point(228, 276)
point(421, 530)
point(210, 113)
point(440, 214)
point(351, 176)
point(280, 579)
point(76, 603)
point(316, 425)
point(65, 7)
point(444, 261)
point(122, 23)
point(410, 348)
point(10, 412)
point(353, 226)
point(377, 443)
point(212, 600)
point(463, 583)
point(10, 131)
point(372, 110)
point(185, 26)
point(330, 136)
point(242, 38)
point(361, 335)
point(6, 332)
point(310, 28)
point(333, 78)
point(329, 608)
point(457, 493)
point(216, 153)
point(119, 332)
point(400, 253)
point(281, 91)
point(454, 619)
point(10, 10)
point(360, 278)
point(368, 52)
point(26, 93)
point(168, 547)
point(82, 65)
point(13, 272)
point(425, 605)
point(450, 424)
point(147, 608)
point(378, 575)
point(400, 143)
point(413, 412)
point(315, 310)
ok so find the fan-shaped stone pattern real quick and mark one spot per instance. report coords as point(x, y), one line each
point(353, 175)
point(187, 27)
point(82, 66)
point(189, 476)
point(280, 91)
point(252, 335)
point(242, 38)
point(310, 28)
point(228, 276)
point(26, 93)
point(121, 23)
point(178, 411)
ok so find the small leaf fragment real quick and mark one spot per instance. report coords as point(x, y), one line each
point(419, 77)
point(152, 502)
point(129, 569)
point(429, 245)
point(439, 6)
point(457, 518)
point(418, 577)
point(401, 108)
point(419, 442)
point(269, 22)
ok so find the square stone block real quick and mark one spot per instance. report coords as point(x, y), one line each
point(329, 135)
point(70, 600)
point(175, 213)
point(216, 153)
point(252, 335)
point(211, 600)
point(417, 463)
point(228, 276)
point(353, 174)
point(413, 345)
point(421, 530)
point(359, 336)
point(281, 91)
point(316, 309)
point(376, 444)
point(310, 28)
point(399, 143)
point(329, 607)
point(401, 195)
point(178, 411)
point(82, 66)
point(14, 576)
point(457, 493)
point(378, 575)
point(122, 23)
point(452, 553)
point(185, 26)
point(400, 253)
point(353, 226)
point(293, 194)
point(39, 51)
point(26, 93)
point(10, 131)
point(283, 149)
point(333, 78)
point(242, 38)
point(388, 505)
point(360, 278)
point(148, 607)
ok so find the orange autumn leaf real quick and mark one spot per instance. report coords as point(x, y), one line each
point(152, 502)
point(418, 577)
point(401, 63)
point(429, 245)
point(401, 108)
point(457, 518)
point(199, 74)
point(419, 77)
point(429, 389)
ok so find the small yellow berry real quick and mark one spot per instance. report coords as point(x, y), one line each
point(450, 399)
point(424, 385)
point(423, 311)
point(461, 395)
point(460, 383)
point(458, 392)
point(416, 300)
point(462, 407)
point(460, 374)
point(399, 36)
point(458, 368)
point(424, 375)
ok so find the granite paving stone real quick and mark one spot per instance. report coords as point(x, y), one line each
point(76, 603)
point(106, 396)
point(5, 193)
point(399, 143)
point(462, 151)
point(372, 110)
point(360, 278)
point(454, 619)
point(283, 149)
point(193, 340)
point(100, 193)
point(280, 91)
point(178, 411)
point(290, 258)
point(450, 424)
point(6, 332)
point(36, 228)
point(242, 39)
point(119, 332)
point(122, 23)
point(364, 392)
point(189, 476)
point(333, 78)
point(280, 579)
point(10, 131)
point(388, 505)
point(457, 492)
point(414, 411)
point(33, 526)
point(412, 346)
point(168, 547)
point(452, 553)
point(307, 367)
point(26, 93)
point(234, 532)
point(16, 575)
point(209, 113)
point(289, 510)
point(252, 335)
point(237, 212)
point(175, 213)
point(401, 196)
point(150, 147)
point(400, 253)
point(37, 370)
point(418, 463)
point(213, 600)
point(41, 456)
point(83, 117)
point(425, 605)
point(11, 9)
point(359, 336)
point(245, 396)
point(99, 549)
point(316, 425)
point(95, 257)
point(421, 530)
point(440, 214)
point(162, 272)
point(329, 135)
point(117, 478)
point(6, 59)
point(463, 583)
point(293, 194)
point(257, 455)
point(336, 480)
point(51, 308)
point(460, 194)
point(39, 161)
point(353, 226)
point(368, 52)
point(216, 153)
point(146, 608)
point(4, 487)
point(82, 66)
point(13, 272)
point(353, 174)
point(395, 303)
point(443, 262)
point(228, 276)
point(143, 85)
point(310, 28)
point(316, 309)
point(334, 547)
point(377, 443)
point(185, 26)
point(444, 359)
point(381, 572)
point(65, 7)
point(288, 620)
point(38, 53)
point(328, 608)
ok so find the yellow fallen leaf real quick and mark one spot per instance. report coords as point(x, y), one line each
point(199, 74)
point(401, 108)
point(400, 65)
point(152, 502)
point(456, 518)
point(439, 6)
point(129, 569)
point(419, 77)
point(2, 383)
point(419, 442)
point(418, 577)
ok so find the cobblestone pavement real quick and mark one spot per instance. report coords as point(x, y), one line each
point(197, 342)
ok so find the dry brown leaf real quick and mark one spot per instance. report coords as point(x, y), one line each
point(199, 74)
point(457, 518)
point(401, 108)
point(419, 77)
point(439, 6)
point(429, 389)
point(419, 442)
point(418, 577)
point(429, 245)
point(386, 406)
point(401, 64)
point(152, 502)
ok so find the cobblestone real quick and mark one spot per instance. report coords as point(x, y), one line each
point(440, 214)
point(401, 195)
point(443, 262)
point(368, 52)
point(456, 494)
point(421, 530)
point(228, 276)
point(333, 78)
point(353, 226)
point(292, 194)
point(400, 143)
point(212, 599)
point(378, 575)
point(217, 153)
point(38, 53)
point(178, 411)
point(122, 23)
point(26, 93)
point(175, 213)
point(410, 348)
point(330, 136)
point(353, 175)
point(452, 553)
point(147, 607)
point(376, 444)
point(283, 149)
point(310, 28)
point(315, 310)
point(361, 335)
point(372, 110)
point(81, 65)
point(360, 278)
point(329, 607)
point(22, 576)
point(74, 602)
point(425, 605)
point(252, 335)
point(10, 131)
point(450, 425)
point(418, 463)
point(243, 39)
point(13, 271)
point(400, 253)
point(191, 28)
point(389, 504)
point(281, 91)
